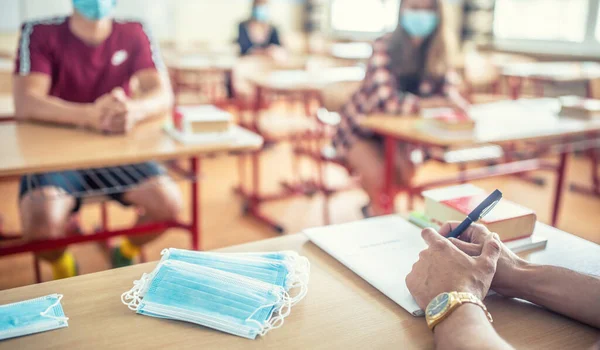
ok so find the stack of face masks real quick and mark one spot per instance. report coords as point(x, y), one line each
point(245, 294)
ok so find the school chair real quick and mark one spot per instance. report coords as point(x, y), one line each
point(333, 97)
point(289, 122)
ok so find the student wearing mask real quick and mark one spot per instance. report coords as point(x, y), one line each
point(476, 262)
point(409, 70)
point(257, 35)
point(76, 71)
point(260, 48)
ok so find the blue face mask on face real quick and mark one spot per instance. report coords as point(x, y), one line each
point(419, 23)
point(212, 298)
point(284, 269)
point(95, 10)
point(32, 316)
point(261, 13)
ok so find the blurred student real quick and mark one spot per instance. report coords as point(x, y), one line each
point(76, 71)
point(260, 48)
point(257, 36)
point(409, 70)
point(478, 261)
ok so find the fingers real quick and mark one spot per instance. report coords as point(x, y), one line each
point(490, 253)
point(432, 238)
point(119, 94)
point(470, 249)
point(476, 233)
point(448, 227)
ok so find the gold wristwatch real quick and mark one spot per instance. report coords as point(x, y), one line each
point(444, 304)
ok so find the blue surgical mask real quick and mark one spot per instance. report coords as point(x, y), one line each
point(95, 10)
point(284, 269)
point(261, 13)
point(419, 23)
point(32, 316)
point(212, 298)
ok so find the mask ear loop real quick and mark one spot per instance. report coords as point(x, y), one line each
point(260, 325)
point(58, 318)
point(132, 298)
point(298, 278)
point(277, 321)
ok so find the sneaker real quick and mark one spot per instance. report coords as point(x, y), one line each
point(118, 260)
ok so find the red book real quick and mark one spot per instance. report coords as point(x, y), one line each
point(509, 220)
point(453, 121)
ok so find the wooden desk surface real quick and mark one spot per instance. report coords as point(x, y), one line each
point(7, 107)
point(28, 148)
point(554, 71)
point(493, 128)
point(7, 65)
point(341, 310)
point(304, 80)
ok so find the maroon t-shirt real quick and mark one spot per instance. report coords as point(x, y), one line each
point(80, 72)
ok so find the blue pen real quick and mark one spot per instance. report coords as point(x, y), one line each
point(482, 209)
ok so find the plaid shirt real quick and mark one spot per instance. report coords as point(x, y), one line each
point(379, 94)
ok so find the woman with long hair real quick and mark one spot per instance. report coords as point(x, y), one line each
point(409, 70)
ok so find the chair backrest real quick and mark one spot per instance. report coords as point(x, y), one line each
point(335, 95)
point(484, 68)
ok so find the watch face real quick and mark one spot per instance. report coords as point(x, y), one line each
point(438, 305)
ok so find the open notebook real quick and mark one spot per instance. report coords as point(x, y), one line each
point(381, 250)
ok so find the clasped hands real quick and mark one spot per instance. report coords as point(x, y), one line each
point(474, 263)
point(112, 113)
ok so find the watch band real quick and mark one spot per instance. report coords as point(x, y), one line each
point(456, 299)
point(471, 299)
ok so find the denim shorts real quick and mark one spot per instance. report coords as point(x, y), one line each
point(110, 181)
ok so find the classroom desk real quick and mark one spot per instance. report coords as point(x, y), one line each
point(7, 108)
point(291, 83)
point(341, 310)
point(549, 72)
point(7, 65)
point(32, 148)
point(544, 129)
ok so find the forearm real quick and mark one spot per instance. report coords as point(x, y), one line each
point(152, 103)
point(457, 99)
point(561, 290)
point(51, 109)
point(467, 328)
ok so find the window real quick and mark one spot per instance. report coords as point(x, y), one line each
point(367, 16)
point(552, 20)
point(597, 34)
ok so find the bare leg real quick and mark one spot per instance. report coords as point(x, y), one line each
point(366, 159)
point(44, 214)
point(159, 199)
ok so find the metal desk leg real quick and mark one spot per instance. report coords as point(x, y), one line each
point(195, 208)
point(515, 86)
point(589, 89)
point(560, 172)
point(386, 199)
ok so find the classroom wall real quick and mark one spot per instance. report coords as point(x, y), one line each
point(183, 22)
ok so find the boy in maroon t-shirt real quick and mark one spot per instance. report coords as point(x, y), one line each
point(77, 71)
